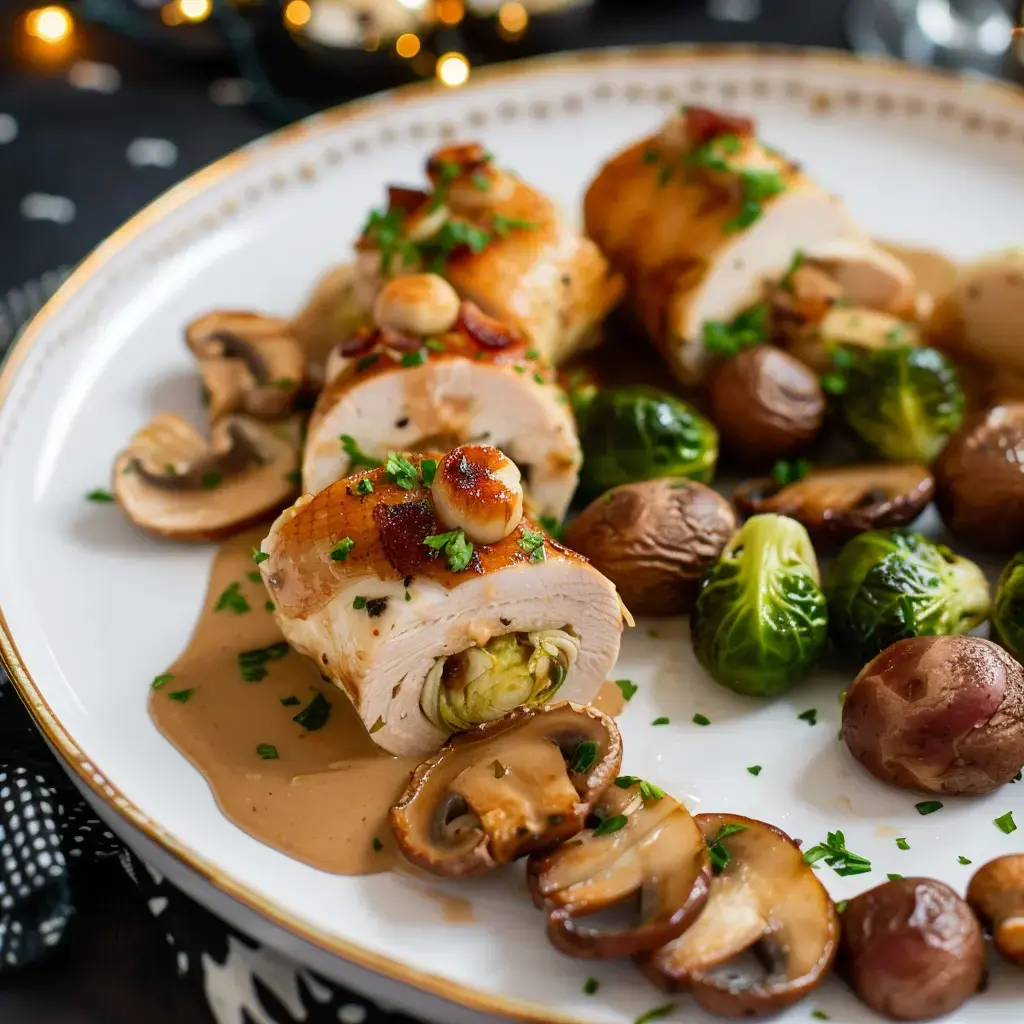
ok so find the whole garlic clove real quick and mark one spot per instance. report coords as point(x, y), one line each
point(478, 489)
point(421, 304)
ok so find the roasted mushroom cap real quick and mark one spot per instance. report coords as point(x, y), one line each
point(517, 786)
point(996, 894)
point(980, 479)
point(765, 902)
point(836, 503)
point(766, 404)
point(250, 363)
point(654, 540)
point(173, 483)
point(652, 873)
point(912, 949)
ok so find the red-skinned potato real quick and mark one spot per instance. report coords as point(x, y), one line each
point(943, 714)
point(912, 949)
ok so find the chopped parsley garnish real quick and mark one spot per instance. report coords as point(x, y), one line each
point(664, 175)
point(232, 600)
point(377, 726)
point(367, 361)
point(532, 353)
point(651, 156)
point(552, 525)
point(928, 806)
point(259, 557)
point(254, 577)
point(416, 358)
point(402, 471)
point(902, 844)
point(268, 605)
point(584, 758)
point(315, 714)
point(833, 383)
point(538, 378)
point(386, 230)
point(893, 877)
point(841, 906)
point(377, 845)
point(428, 470)
point(798, 260)
point(452, 235)
point(746, 330)
point(181, 696)
point(648, 790)
point(1005, 823)
point(356, 456)
point(627, 688)
point(810, 716)
point(820, 1015)
point(284, 383)
point(661, 720)
point(365, 486)
point(699, 719)
point(590, 986)
point(290, 702)
point(103, 497)
point(342, 549)
point(719, 855)
point(784, 473)
point(266, 751)
point(162, 680)
point(610, 825)
point(481, 182)
point(434, 344)
point(835, 854)
point(658, 1013)
point(359, 603)
point(254, 663)
point(532, 542)
point(454, 545)
point(503, 225)
point(964, 860)
point(210, 480)
point(755, 769)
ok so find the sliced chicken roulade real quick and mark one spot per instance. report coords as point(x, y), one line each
point(422, 591)
point(501, 243)
point(703, 220)
point(435, 373)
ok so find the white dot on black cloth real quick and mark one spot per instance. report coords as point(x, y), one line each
point(352, 1013)
point(230, 92)
point(42, 206)
point(8, 129)
point(151, 153)
point(93, 76)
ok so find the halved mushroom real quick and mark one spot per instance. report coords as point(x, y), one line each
point(520, 785)
point(996, 894)
point(635, 881)
point(250, 363)
point(768, 934)
point(173, 483)
point(835, 503)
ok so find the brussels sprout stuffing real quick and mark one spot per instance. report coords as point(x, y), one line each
point(760, 621)
point(481, 684)
point(890, 584)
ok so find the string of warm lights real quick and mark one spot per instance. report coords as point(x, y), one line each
point(53, 27)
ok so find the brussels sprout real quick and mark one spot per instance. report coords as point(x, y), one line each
point(639, 433)
point(890, 584)
point(481, 684)
point(904, 401)
point(1008, 608)
point(760, 622)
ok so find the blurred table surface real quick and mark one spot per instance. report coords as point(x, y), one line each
point(116, 967)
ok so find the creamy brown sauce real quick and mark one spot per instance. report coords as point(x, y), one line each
point(325, 798)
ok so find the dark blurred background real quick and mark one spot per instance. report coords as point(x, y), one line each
point(104, 104)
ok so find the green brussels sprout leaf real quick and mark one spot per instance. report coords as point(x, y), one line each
point(1008, 609)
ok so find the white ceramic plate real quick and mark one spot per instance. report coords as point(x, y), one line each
point(91, 610)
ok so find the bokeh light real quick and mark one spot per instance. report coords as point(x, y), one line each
point(450, 12)
point(195, 10)
point(297, 13)
point(452, 69)
point(49, 24)
point(512, 19)
point(407, 45)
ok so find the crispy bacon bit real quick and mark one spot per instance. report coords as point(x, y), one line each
point(360, 343)
point(467, 156)
point(485, 330)
point(406, 199)
point(703, 124)
point(402, 529)
point(400, 342)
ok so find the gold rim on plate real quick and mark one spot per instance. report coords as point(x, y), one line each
point(684, 56)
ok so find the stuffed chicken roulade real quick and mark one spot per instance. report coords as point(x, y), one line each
point(421, 590)
point(500, 243)
point(724, 242)
point(432, 373)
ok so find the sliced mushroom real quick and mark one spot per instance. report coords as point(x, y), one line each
point(836, 503)
point(996, 894)
point(867, 275)
point(650, 875)
point(507, 789)
point(768, 934)
point(332, 313)
point(173, 483)
point(250, 363)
